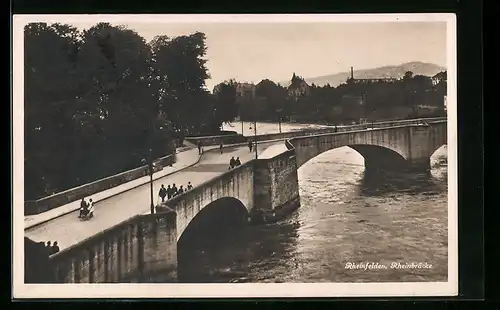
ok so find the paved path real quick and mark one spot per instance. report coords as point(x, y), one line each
point(185, 159)
point(68, 229)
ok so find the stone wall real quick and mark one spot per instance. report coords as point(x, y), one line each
point(62, 198)
point(140, 247)
point(236, 183)
point(262, 187)
point(401, 147)
point(329, 130)
point(276, 187)
point(284, 183)
point(216, 140)
point(424, 141)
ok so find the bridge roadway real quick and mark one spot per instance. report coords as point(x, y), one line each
point(68, 229)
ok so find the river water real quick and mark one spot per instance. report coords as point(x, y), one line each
point(346, 216)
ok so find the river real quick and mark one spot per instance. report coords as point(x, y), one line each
point(346, 216)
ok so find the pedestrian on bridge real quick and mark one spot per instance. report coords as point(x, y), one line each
point(237, 162)
point(232, 163)
point(221, 146)
point(250, 145)
point(174, 190)
point(181, 190)
point(189, 186)
point(162, 193)
point(169, 192)
point(54, 249)
point(199, 148)
point(48, 247)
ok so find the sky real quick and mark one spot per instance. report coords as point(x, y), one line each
point(250, 52)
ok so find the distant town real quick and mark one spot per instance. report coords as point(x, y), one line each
point(356, 99)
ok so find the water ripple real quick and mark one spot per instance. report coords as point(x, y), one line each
point(344, 217)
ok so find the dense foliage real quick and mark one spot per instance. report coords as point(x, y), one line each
point(410, 96)
point(97, 101)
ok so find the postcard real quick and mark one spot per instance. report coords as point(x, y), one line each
point(205, 156)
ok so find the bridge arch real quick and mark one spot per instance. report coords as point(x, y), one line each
point(388, 148)
point(380, 157)
point(374, 155)
point(225, 211)
point(437, 147)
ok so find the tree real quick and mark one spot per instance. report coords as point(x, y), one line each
point(226, 108)
point(273, 97)
point(50, 59)
point(179, 69)
point(408, 75)
point(89, 103)
point(115, 69)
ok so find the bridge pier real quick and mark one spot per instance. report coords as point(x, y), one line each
point(275, 187)
point(420, 165)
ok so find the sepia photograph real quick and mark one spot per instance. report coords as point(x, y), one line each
point(174, 156)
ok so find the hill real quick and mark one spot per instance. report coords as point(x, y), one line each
point(420, 68)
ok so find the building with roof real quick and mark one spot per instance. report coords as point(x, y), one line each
point(243, 90)
point(298, 87)
point(439, 77)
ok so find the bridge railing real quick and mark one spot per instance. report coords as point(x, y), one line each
point(329, 130)
point(216, 140)
point(85, 190)
point(198, 189)
point(362, 127)
point(103, 249)
point(238, 138)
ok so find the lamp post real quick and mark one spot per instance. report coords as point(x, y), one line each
point(150, 168)
point(255, 137)
point(255, 131)
point(279, 118)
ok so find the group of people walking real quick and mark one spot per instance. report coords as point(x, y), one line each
point(172, 191)
point(234, 162)
point(51, 248)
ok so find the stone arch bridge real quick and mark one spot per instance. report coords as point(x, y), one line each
point(267, 189)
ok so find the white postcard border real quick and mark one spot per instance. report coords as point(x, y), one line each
point(178, 290)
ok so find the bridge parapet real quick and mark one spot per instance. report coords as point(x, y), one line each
point(332, 129)
point(139, 247)
point(236, 183)
point(76, 193)
point(382, 147)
